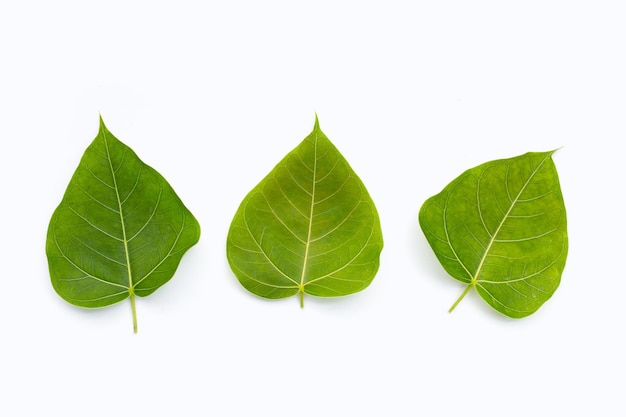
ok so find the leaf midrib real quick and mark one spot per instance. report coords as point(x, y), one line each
point(121, 213)
point(307, 244)
point(493, 239)
point(131, 289)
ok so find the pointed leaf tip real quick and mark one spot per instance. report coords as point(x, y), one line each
point(102, 125)
point(317, 123)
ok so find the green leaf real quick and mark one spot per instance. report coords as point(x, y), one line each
point(119, 231)
point(309, 226)
point(501, 228)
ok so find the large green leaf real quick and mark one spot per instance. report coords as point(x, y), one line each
point(308, 226)
point(501, 228)
point(119, 231)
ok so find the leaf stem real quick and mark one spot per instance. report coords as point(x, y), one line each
point(132, 306)
point(301, 298)
point(469, 287)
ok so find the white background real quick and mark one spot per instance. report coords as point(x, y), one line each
point(213, 94)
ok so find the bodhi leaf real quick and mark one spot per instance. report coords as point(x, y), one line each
point(308, 226)
point(501, 228)
point(119, 231)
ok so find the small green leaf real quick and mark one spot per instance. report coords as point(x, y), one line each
point(501, 228)
point(119, 231)
point(308, 226)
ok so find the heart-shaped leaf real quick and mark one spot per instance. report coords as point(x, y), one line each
point(308, 226)
point(501, 228)
point(119, 231)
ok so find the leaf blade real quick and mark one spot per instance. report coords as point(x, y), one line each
point(114, 233)
point(301, 228)
point(501, 228)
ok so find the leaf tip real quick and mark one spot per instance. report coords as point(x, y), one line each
point(102, 125)
point(317, 122)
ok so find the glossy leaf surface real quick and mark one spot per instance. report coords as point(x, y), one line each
point(119, 231)
point(501, 228)
point(309, 226)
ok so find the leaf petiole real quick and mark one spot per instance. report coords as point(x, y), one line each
point(469, 287)
point(132, 306)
